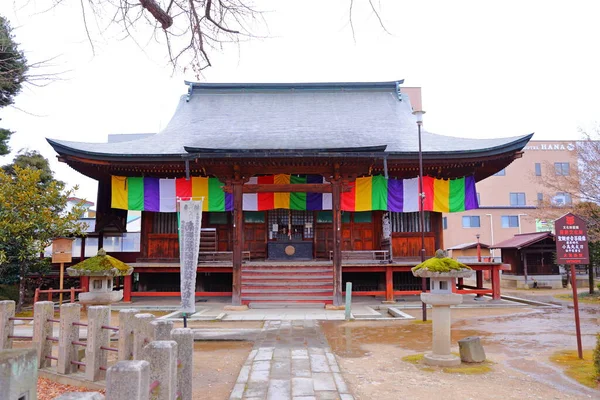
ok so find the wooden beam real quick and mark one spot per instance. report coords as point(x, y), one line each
point(288, 188)
point(337, 242)
point(238, 243)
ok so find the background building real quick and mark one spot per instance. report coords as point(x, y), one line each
point(508, 199)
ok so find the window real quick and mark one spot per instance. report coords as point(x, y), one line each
point(327, 217)
point(540, 199)
point(445, 222)
point(217, 218)
point(561, 168)
point(510, 221)
point(517, 199)
point(409, 222)
point(97, 284)
point(562, 199)
point(478, 199)
point(364, 216)
point(502, 172)
point(471, 222)
point(538, 169)
point(254, 217)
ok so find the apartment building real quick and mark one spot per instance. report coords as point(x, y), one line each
point(508, 199)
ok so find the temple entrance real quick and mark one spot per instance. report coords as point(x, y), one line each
point(291, 234)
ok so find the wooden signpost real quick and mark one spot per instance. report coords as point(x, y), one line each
point(61, 253)
point(572, 249)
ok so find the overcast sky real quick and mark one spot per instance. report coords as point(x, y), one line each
point(486, 68)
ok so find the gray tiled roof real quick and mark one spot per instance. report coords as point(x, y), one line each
point(272, 117)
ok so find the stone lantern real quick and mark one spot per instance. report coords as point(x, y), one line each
point(442, 273)
point(101, 269)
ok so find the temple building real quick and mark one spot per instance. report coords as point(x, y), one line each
point(305, 186)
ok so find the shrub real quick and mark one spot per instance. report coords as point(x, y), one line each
point(9, 292)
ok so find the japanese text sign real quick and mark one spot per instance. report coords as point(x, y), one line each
point(571, 240)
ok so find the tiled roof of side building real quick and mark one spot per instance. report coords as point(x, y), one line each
point(522, 240)
point(233, 118)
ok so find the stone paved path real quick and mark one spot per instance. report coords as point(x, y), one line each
point(291, 360)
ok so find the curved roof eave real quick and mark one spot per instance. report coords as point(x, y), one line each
point(371, 152)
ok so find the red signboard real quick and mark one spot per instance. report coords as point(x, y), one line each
point(571, 240)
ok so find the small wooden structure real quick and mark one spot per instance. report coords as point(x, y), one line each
point(531, 258)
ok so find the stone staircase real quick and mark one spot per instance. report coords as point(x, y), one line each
point(276, 286)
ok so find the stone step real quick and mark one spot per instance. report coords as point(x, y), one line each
point(327, 282)
point(288, 277)
point(285, 270)
point(287, 290)
point(275, 304)
point(285, 298)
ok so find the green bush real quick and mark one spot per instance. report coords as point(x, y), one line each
point(597, 357)
point(9, 292)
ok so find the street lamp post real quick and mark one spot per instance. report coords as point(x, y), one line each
point(419, 115)
point(478, 248)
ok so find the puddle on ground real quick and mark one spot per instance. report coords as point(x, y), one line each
point(519, 334)
point(349, 338)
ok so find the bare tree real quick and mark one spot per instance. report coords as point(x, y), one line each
point(191, 30)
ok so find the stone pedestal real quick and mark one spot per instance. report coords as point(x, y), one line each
point(441, 297)
point(441, 321)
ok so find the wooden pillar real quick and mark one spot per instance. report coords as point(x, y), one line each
point(238, 242)
point(495, 283)
point(84, 282)
point(336, 191)
point(389, 283)
point(82, 250)
point(479, 280)
point(127, 288)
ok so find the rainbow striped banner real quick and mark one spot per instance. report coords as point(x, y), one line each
point(160, 195)
point(366, 194)
point(402, 195)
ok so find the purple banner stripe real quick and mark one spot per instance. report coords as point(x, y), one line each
point(314, 201)
point(395, 195)
point(228, 201)
point(470, 193)
point(151, 195)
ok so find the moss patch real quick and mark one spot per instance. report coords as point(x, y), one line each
point(414, 358)
point(584, 297)
point(102, 263)
point(464, 368)
point(470, 369)
point(580, 370)
point(429, 321)
point(436, 264)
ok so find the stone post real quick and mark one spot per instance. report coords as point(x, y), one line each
point(185, 361)
point(441, 324)
point(162, 329)
point(126, 324)
point(80, 396)
point(162, 356)
point(42, 328)
point(7, 311)
point(97, 337)
point(18, 374)
point(68, 332)
point(143, 333)
point(128, 380)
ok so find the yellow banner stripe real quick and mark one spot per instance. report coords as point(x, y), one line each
point(119, 192)
point(282, 200)
point(200, 189)
point(441, 195)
